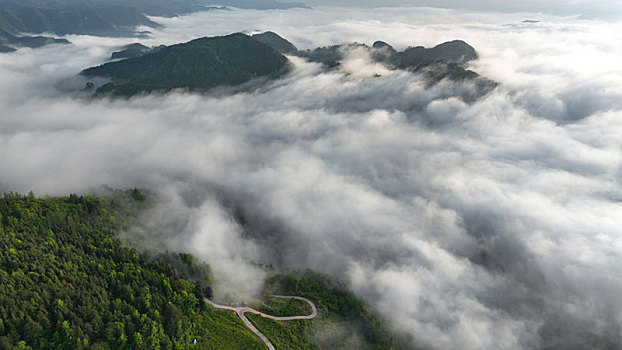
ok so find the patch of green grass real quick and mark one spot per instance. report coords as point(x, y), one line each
point(290, 335)
point(222, 329)
point(285, 307)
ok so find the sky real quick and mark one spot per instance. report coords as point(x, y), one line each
point(487, 224)
point(603, 9)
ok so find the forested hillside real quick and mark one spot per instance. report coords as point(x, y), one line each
point(66, 282)
point(363, 329)
point(197, 65)
point(71, 17)
point(9, 41)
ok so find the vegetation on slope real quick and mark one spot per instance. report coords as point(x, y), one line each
point(285, 307)
point(197, 65)
point(130, 51)
point(456, 51)
point(286, 335)
point(276, 42)
point(8, 39)
point(66, 282)
point(344, 321)
point(107, 17)
point(71, 17)
point(453, 52)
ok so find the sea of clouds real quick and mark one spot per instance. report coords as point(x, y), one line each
point(488, 225)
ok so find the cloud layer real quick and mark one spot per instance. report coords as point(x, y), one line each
point(608, 9)
point(486, 225)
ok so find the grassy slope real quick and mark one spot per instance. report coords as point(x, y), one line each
point(285, 307)
point(290, 335)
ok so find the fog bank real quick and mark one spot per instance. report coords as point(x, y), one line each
point(485, 225)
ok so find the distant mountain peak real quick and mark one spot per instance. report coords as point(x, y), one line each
point(456, 51)
point(258, 4)
point(276, 42)
point(9, 41)
point(130, 51)
point(382, 45)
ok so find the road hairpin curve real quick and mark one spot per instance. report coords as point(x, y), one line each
point(240, 311)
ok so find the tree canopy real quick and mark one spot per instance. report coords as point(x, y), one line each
point(199, 64)
point(66, 282)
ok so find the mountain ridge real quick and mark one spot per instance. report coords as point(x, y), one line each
point(199, 64)
point(71, 18)
point(151, 69)
point(107, 17)
point(9, 41)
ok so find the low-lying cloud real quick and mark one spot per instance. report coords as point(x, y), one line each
point(492, 224)
point(607, 9)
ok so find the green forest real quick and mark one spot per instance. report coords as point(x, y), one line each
point(67, 282)
point(199, 64)
point(335, 303)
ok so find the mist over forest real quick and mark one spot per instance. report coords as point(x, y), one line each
point(492, 223)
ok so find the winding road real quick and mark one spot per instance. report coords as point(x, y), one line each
point(240, 311)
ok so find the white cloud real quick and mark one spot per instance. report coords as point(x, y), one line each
point(494, 224)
